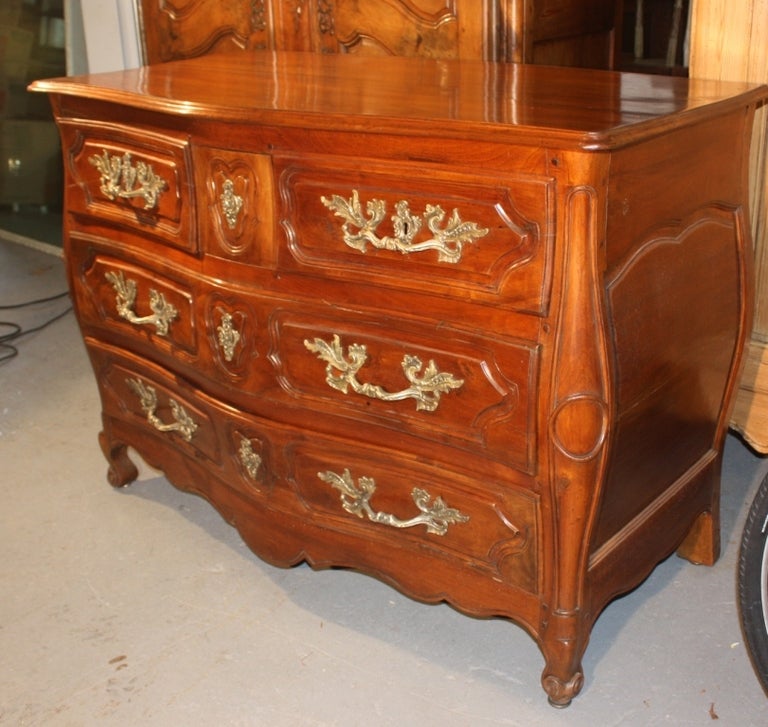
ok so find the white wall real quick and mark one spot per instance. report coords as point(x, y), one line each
point(102, 35)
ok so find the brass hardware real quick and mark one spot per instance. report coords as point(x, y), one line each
point(229, 336)
point(182, 424)
point(231, 203)
point(426, 390)
point(163, 312)
point(258, 15)
point(119, 178)
point(448, 241)
point(325, 21)
point(436, 516)
point(249, 459)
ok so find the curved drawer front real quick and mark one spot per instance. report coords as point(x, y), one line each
point(135, 178)
point(442, 385)
point(158, 404)
point(145, 397)
point(425, 229)
point(137, 301)
point(371, 496)
point(205, 331)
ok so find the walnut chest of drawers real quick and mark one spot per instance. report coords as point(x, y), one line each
point(472, 328)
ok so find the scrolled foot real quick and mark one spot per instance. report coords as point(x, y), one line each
point(561, 693)
point(121, 470)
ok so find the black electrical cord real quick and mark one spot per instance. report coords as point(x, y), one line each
point(58, 296)
point(8, 351)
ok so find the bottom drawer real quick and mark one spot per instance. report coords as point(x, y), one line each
point(175, 415)
point(387, 500)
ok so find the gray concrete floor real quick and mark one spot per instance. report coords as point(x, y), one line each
point(142, 607)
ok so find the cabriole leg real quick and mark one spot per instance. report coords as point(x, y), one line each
point(121, 470)
point(563, 647)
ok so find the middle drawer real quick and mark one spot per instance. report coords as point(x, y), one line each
point(436, 383)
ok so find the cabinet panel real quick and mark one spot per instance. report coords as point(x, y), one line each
point(543, 31)
point(189, 28)
point(429, 28)
point(730, 42)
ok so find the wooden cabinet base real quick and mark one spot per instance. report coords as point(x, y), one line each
point(471, 328)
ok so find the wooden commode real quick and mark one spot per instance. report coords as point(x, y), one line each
point(471, 328)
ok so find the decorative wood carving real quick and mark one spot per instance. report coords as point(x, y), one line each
point(562, 32)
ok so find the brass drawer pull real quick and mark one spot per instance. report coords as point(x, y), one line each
point(228, 336)
point(448, 240)
point(249, 459)
point(119, 178)
point(231, 203)
point(182, 423)
point(163, 312)
point(340, 374)
point(435, 515)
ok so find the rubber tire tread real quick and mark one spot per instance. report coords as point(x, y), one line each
point(753, 550)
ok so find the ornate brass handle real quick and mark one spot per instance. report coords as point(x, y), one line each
point(228, 336)
point(249, 459)
point(231, 203)
point(448, 240)
point(426, 390)
point(121, 180)
point(435, 515)
point(125, 292)
point(182, 423)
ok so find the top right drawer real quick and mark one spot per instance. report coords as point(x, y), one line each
point(422, 228)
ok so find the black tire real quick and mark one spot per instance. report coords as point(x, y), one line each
point(753, 583)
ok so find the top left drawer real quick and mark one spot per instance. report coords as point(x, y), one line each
point(130, 177)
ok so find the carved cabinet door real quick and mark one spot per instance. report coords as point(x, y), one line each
point(560, 32)
point(177, 29)
point(430, 28)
